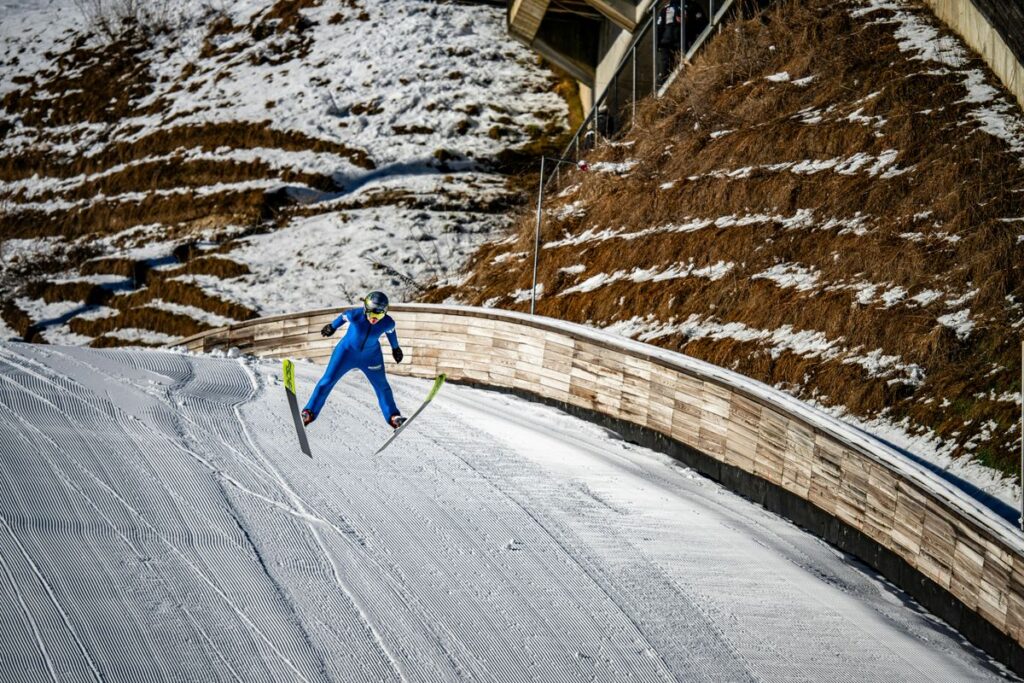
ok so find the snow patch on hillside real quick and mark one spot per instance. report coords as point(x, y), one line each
point(402, 59)
point(431, 92)
point(872, 165)
point(802, 218)
point(802, 278)
point(714, 271)
point(921, 37)
point(785, 339)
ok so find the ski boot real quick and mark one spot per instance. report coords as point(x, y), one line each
point(396, 421)
point(307, 417)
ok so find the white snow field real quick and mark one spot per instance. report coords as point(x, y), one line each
point(158, 523)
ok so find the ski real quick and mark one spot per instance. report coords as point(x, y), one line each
point(293, 403)
point(438, 381)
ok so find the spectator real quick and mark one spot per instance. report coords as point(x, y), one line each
point(668, 25)
point(696, 20)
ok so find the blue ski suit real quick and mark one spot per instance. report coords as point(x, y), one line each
point(359, 348)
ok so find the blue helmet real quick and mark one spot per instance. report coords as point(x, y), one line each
point(376, 302)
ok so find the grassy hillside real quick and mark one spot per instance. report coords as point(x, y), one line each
point(165, 174)
point(829, 199)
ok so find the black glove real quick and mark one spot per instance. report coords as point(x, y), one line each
point(397, 354)
point(327, 331)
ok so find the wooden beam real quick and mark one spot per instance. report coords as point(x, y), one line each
point(621, 12)
point(524, 18)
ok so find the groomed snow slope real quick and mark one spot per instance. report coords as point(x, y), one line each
point(157, 522)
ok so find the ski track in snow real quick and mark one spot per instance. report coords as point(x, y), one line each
point(157, 523)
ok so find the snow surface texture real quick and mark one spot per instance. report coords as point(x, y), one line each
point(158, 522)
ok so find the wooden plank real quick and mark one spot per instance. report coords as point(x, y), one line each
point(539, 371)
point(631, 413)
point(637, 370)
point(1015, 600)
point(938, 546)
point(852, 494)
point(564, 369)
point(856, 475)
point(585, 376)
point(598, 357)
point(243, 334)
point(907, 522)
point(742, 433)
point(476, 374)
point(968, 562)
point(660, 387)
point(995, 580)
point(659, 418)
point(582, 396)
point(715, 400)
point(826, 474)
point(799, 453)
point(610, 384)
point(711, 443)
point(608, 403)
point(636, 384)
point(771, 446)
point(686, 432)
point(558, 386)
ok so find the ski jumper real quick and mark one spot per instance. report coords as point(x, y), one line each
point(360, 349)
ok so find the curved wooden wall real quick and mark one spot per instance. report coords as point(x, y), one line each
point(916, 519)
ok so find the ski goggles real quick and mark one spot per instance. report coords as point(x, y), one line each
point(375, 314)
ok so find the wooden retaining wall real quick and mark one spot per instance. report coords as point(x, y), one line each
point(957, 558)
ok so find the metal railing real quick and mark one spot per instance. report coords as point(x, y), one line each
point(644, 70)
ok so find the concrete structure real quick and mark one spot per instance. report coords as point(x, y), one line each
point(586, 38)
point(957, 557)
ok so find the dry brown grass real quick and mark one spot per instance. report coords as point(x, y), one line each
point(183, 293)
point(114, 342)
point(130, 268)
point(967, 179)
point(106, 85)
point(85, 84)
point(212, 136)
point(141, 318)
point(110, 217)
point(170, 174)
point(209, 265)
point(18, 320)
point(145, 285)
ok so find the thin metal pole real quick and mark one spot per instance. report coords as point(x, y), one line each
point(1022, 434)
point(632, 116)
point(682, 31)
point(536, 238)
point(654, 58)
point(616, 106)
